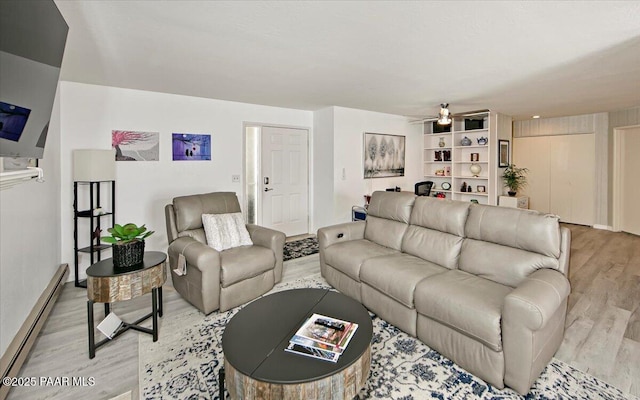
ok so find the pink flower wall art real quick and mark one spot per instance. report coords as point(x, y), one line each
point(136, 146)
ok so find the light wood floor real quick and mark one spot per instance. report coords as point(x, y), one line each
point(602, 336)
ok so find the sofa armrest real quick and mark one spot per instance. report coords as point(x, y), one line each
point(533, 318)
point(565, 250)
point(340, 233)
point(537, 299)
point(271, 239)
point(197, 254)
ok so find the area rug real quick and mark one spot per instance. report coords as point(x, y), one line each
point(300, 248)
point(185, 361)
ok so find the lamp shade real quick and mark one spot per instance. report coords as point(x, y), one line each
point(94, 165)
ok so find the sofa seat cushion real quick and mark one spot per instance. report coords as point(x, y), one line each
point(244, 262)
point(397, 275)
point(466, 303)
point(347, 257)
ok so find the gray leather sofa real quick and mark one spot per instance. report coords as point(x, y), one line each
point(485, 286)
point(226, 279)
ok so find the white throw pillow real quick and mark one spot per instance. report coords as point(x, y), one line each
point(225, 231)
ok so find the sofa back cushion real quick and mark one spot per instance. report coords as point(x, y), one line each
point(505, 245)
point(388, 217)
point(189, 209)
point(436, 230)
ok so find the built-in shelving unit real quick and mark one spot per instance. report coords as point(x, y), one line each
point(447, 159)
point(96, 216)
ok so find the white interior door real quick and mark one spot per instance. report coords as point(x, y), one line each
point(285, 180)
point(630, 189)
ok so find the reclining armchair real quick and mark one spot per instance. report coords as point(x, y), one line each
point(219, 279)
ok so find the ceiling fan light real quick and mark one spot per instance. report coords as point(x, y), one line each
point(445, 118)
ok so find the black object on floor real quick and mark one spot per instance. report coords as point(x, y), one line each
point(300, 248)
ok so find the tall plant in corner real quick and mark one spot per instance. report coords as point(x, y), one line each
point(514, 178)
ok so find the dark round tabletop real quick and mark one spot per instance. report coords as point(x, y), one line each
point(105, 268)
point(255, 339)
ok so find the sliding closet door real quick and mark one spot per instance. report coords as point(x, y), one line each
point(561, 175)
point(533, 153)
point(572, 178)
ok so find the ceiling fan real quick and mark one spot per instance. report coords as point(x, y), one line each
point(444, 116)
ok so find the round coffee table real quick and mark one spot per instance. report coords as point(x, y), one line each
point(257, 365)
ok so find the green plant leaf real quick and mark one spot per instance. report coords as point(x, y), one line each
point(108, 239)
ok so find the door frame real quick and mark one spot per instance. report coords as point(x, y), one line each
point(617, 176)
point(258, 161)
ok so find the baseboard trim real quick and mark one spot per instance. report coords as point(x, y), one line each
point(20, 346)
point(603, 227)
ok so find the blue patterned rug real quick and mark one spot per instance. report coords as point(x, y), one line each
point(300, 248)
point(184, 364)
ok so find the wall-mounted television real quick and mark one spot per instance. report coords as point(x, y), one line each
point(32, 39)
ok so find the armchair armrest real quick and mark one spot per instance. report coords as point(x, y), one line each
point(271, 239)
point(197, 254)
point(340, 233)
point(537, 299)
point(201, 285)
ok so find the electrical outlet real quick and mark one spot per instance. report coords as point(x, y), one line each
point(235, 178)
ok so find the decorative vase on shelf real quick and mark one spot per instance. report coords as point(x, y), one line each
point(465, 141)
point(511, 193)
point(482, 141)
point(475, 169)
point(441, 143)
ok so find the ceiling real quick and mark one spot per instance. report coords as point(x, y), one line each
point(515, 57)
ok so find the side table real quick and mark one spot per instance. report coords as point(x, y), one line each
point(514, 202)
point(107, 284)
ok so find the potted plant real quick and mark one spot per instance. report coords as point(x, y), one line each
point(128, 244)
point(514, 178)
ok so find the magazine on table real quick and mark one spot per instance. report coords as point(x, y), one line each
point(312, 352)
point(324, 330)
point(304, 341)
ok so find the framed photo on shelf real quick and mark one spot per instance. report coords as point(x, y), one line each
point(503, 153)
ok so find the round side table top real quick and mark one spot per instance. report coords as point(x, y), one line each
point(107, 284)
point(255, 339)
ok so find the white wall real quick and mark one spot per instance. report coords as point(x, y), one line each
point(29, 238)
point(88, 115)
point(348, 129)
point(322, 168)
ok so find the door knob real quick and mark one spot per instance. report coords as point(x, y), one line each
point(267, 189)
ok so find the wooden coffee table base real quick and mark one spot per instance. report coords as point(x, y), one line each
point(343, 385)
